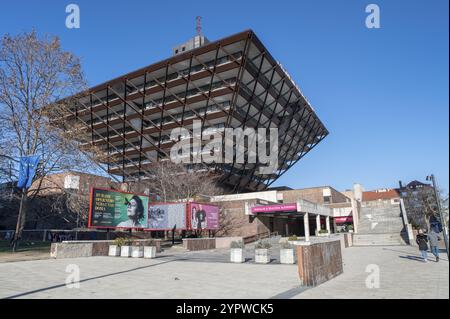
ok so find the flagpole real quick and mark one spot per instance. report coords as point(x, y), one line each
point(19, 222)
point(27, 171)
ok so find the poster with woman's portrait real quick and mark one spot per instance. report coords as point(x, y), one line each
point(111, 209)
point(204, 216)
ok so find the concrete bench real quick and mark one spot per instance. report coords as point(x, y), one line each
point(85, 248)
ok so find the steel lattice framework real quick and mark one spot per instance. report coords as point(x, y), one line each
point(230, 83)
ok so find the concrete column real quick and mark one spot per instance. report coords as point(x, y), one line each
point(317, 224)
point(328, 224)
point(306, 225)
point(355, 215)
point(408, 226)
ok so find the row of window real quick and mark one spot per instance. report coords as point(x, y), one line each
point(154, 103)
point(168, 119)
point(170, 77)
point(190, 114)
point(208, 129)
point(189, 93)
point(266, 81)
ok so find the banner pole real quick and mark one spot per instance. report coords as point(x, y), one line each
point(19, 223)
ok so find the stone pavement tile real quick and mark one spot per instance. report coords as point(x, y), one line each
point(108, 277)
point(401, 275)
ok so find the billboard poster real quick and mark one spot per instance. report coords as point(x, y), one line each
point(167, 216)
point(203, 216)
point(115, 209)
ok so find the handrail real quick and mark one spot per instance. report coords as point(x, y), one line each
point(256, 237)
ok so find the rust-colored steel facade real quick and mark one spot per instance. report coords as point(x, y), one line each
point(230, 83)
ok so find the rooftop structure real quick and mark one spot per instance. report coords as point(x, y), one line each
point(230, 83)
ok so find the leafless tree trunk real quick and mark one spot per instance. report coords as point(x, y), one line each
point(35, 76)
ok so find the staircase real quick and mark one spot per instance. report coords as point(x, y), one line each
point(380, 224)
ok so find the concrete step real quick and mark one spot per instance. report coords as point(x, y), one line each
point(369, 217)
point(381, 223)
point(380, 226)
point(385, 219)
point(382, 239)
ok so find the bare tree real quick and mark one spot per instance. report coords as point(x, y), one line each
point(230, 220)
point(420, 205)
point(177, 182)
point(36, 77)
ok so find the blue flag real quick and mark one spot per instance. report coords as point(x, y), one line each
point(28, 165)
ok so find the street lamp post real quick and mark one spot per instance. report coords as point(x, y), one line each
point(438, 201)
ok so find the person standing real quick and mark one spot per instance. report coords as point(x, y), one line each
point(434, 239)
point(422, 241)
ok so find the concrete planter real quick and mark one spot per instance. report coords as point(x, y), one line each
point(262, 256)
point(125, 251)
point(287, 256)
point(114, 251)
point(295, 242)
point(237, 255)
point(149, 252)
point(137, 251)
point(322, 234)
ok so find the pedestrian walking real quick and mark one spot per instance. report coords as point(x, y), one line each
point(434, 238)
point(422, 241)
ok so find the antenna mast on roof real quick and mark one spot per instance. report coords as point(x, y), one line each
point(198, 27)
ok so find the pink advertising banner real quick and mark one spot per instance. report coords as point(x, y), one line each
point(344, 219)
point(275, 208)
point(203, 216)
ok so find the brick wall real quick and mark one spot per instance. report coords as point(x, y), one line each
point(234, 222)
point(319, 262)
point(338, 197)
point(199, 243)
point(54, 183)
point(313, 195)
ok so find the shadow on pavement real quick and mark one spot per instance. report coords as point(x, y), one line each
point(416, 258)
point(84, 280)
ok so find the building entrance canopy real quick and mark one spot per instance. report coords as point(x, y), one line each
point(302, 206)
point(343, 219)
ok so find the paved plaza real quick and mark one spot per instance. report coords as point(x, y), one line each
point(207, 274)
point(402, 274)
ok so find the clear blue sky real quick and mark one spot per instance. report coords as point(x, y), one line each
point(382, 93)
